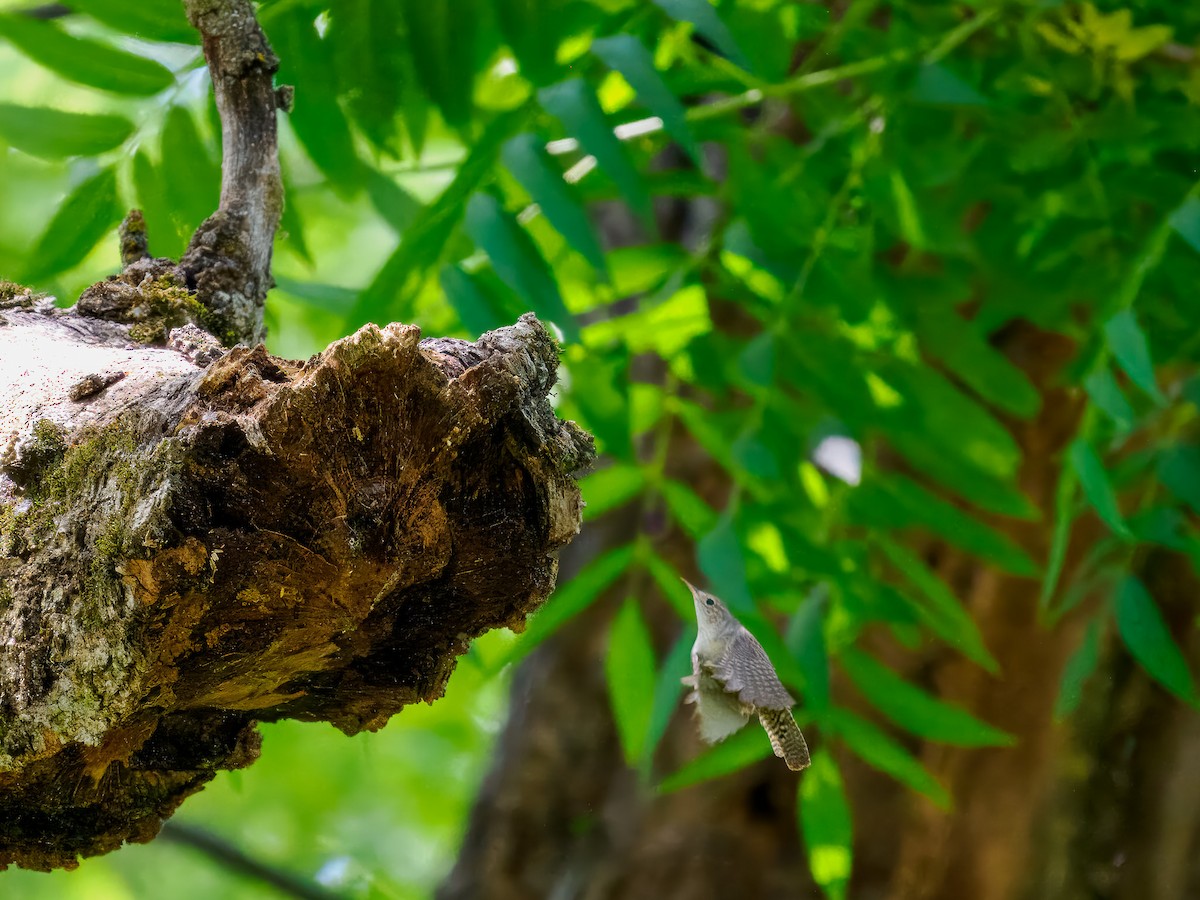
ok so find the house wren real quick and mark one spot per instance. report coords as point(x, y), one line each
point(732, 678)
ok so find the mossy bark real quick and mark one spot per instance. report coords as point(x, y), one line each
point(190, 550)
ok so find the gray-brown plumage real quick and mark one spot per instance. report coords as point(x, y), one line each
point(732, 678)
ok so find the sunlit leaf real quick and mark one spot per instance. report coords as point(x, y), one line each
point(609, 489)
point(84, 61)
point(152, 20)
point(825, 822)
point(317, 118)
point(397, 282)
point(629, 669)
point(573, 103)
point(193, 175)
point(526, 158)
point(703, 15)
point(629, 56)
point(517, 261)
point(1145, 633)
point(667, 687)
point(687, 508)
point(53, 134)
point(88, 213)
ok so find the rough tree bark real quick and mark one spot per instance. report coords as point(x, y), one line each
point(193, 539)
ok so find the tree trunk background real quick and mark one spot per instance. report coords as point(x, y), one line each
point(1103, 805)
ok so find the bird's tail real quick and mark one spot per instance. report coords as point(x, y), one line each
point(786, 738)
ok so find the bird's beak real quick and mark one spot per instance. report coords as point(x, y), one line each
point(691, 587)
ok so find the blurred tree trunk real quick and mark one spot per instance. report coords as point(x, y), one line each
point(560, 815)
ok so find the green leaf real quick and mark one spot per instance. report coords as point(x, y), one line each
point(1077, 671)
point(398, 207)
point(573, 103)
point(805, 640)
point(162, 232)
point(532, 29)
point(672, 587)
point(87, 214)
point(291, 225)
point(151, 20)
point(898, 501)
point(630, 672)
point(194, 177)
point(629, 56)
point(517, 261)
point(571, 599)
point(736, 752)
point(85, 62)
point(1145, 633)
point(703, 15)
point(1090, 472)
point(317, 118)
point(528, 161)
point(1129, 347)
point(329, 298)
point(610, 489)
point(369, 53)
point(941, 613)
point(442, 42)
point(826, 823)
point(983, 368)
point(692, 514)
point(391, 293)
point(666, 694)
point(476, 309)
point(1103, 390)
point(881, 752)
point(1186, 222)
point(1179, 470)
point(938, 86)
point(720, 555)
point(1064, 516)
point(600, 388)
point(916, 711)
point(53, 134)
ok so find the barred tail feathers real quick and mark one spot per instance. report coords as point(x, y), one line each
point(786, 738)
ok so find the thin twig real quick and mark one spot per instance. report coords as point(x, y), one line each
point(231, 857)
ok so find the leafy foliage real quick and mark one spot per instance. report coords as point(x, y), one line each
point(856, 215)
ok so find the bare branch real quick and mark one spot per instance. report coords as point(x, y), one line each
point(228, 262)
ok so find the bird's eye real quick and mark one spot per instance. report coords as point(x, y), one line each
point(709, 601)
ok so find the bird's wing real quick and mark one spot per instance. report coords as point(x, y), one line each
point(746, 670)
point(720, 713)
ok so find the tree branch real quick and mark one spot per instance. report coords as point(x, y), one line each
point(228, 262)
point(233, 858)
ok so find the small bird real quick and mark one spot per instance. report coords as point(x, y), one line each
point(732, 678)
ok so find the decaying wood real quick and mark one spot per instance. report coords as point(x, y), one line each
point(185, 551)
point(194, 539)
